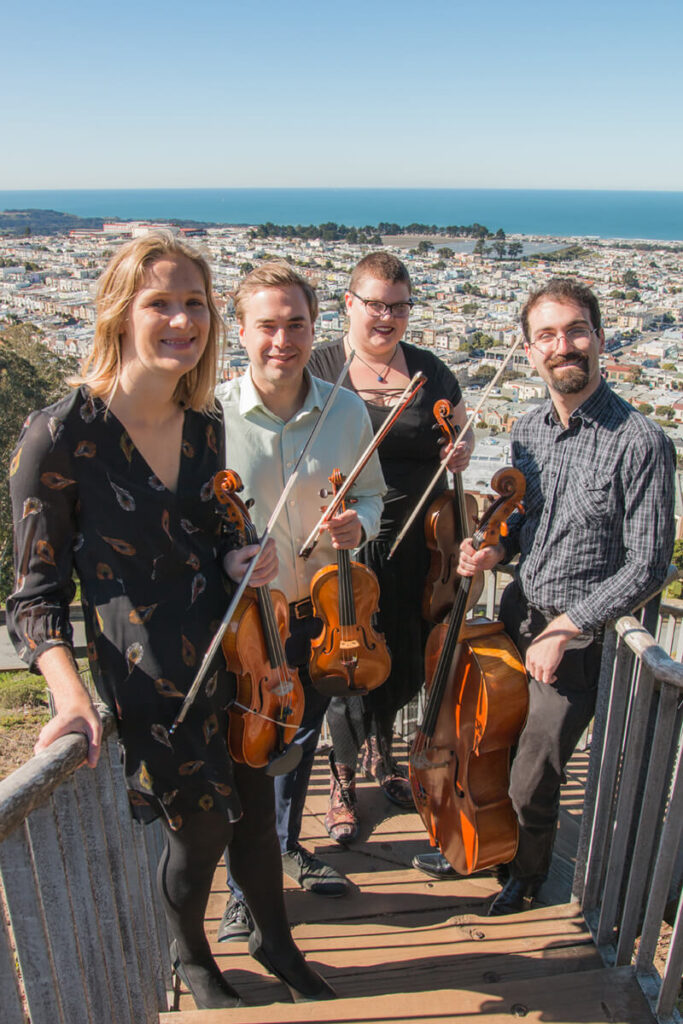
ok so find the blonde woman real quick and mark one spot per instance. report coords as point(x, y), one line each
point(115, 482)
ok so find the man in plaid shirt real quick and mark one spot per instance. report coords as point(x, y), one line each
point(595, 539)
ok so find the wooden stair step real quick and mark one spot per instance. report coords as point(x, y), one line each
point(604, 996)
point(366, 959)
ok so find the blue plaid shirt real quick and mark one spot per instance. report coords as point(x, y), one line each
point(597, 533)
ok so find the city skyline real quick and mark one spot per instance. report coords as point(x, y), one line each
point(381, 95)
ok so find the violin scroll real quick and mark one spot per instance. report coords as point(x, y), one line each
point(443, 411)
point(226, 486)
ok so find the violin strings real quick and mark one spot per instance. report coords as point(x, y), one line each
point(273, 640)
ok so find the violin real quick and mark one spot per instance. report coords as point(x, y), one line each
point(269, 704)
point(476, 707)
point(348, 657)
point(450, 518)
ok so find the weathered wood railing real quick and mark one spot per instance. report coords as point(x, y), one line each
point(81, 932)
point(629, 873)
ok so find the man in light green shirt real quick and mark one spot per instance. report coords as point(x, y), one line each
point(269, 414)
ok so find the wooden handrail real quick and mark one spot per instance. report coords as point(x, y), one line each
point(32, 784)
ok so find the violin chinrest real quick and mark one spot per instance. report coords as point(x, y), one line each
point(285, 761)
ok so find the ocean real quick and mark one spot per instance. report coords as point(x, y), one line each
point(602, 214)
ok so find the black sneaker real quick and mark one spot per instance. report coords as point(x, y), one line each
point(236, 923)
point(313, 874)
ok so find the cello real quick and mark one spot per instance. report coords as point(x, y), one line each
point(476, 707)
point(449, 519)
point(269, 703)
point(348, 657)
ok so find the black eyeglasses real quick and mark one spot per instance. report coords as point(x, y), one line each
point(398, 309)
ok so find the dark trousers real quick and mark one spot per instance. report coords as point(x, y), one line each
point(558, 715)
point(291, 789)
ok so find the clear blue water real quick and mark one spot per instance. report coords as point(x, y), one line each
point(649, 215)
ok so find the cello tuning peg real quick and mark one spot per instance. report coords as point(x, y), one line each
point(249, 503)
point(324, 493)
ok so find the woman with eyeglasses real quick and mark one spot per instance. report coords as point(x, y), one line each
point(378, 304)
point(115, 484)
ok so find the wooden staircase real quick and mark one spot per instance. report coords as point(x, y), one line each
point(402, 947)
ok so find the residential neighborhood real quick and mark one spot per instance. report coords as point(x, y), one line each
point(467, 310)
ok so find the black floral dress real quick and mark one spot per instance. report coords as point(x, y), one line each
point(152, 588)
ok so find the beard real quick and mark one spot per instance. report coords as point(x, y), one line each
point(571, 380)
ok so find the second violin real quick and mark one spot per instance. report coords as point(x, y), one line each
point(349, 656)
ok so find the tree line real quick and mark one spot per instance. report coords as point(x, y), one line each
point(370, 234)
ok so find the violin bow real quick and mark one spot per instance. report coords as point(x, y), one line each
point(242, 586)
point(411, 389)
point(442, 469)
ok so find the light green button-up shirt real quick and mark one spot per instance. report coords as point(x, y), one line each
point(264, 449)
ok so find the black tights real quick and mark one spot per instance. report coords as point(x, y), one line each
point(188, 863)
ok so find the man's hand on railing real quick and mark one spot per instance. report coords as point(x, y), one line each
point(545, 652)
point(75, 710)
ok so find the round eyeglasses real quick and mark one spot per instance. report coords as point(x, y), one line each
point(400, 310)
point(577, 334)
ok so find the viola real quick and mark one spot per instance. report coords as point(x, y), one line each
point(450, 518)
point(269, 704)
point(435, 479)
point(348, 657)
point(476, 707)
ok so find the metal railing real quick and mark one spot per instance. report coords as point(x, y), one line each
point(81, 931)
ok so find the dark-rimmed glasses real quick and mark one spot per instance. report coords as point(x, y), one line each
point(375, 308)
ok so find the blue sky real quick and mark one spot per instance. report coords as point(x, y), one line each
point(438, 93)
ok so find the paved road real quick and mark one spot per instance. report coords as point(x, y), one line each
point(8, 657)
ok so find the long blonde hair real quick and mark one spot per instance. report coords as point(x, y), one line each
point(117, 286)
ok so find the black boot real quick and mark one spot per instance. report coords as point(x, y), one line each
point(205, 983)
point(516, 895)
point(305, 985)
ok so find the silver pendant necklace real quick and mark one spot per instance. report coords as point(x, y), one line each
point(381, 376)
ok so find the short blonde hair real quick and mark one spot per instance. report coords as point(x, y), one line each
point(116, 289)
point(274, 274)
